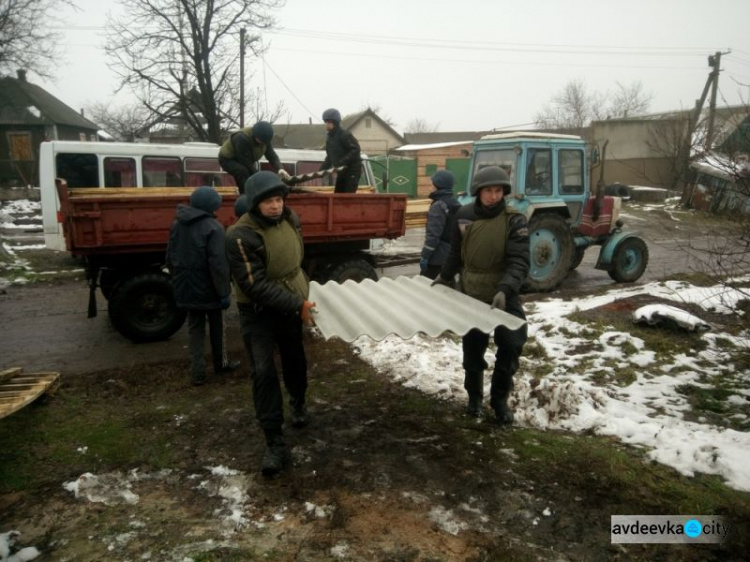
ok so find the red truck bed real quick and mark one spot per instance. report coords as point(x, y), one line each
point(112, 220)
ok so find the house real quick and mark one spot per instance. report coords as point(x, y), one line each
point(655, 150)
point(375, 136)
point(428, 159)
point(28, 116)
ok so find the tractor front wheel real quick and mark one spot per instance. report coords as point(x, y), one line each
point(629, 260)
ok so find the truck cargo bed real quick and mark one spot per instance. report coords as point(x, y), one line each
point(107, 221)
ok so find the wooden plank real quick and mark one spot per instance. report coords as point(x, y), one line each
point(10, 373)
point(20, 391)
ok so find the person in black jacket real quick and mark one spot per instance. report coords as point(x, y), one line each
point(241, 152)
point(265, 252)
point(342, 149)
point(440, 217)
point(200, 278)
point(490, 251)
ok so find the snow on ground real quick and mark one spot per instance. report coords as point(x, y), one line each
point(649, 412)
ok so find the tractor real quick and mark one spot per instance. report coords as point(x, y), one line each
point(549, 174)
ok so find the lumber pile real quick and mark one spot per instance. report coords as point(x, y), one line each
point(18, 389)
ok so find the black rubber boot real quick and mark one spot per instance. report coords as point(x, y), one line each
point(503, 412)
point(299, 415)
point(474, 408)
point(275, 455)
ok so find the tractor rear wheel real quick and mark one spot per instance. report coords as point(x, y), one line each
point(629, 260)
point(551, 250)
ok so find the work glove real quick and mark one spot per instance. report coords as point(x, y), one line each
point(226, 302)
point(422, 265)
point(440, 280)
point(284, 175)
point(308, 308)
point(499, 301)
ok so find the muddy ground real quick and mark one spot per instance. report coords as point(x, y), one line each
point(125, 461)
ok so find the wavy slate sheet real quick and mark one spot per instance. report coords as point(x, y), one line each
point(404, 306)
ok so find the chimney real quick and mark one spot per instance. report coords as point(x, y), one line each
point(21, 73)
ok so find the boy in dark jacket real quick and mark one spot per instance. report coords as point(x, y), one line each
point(200, 278)
point(342, 149)
point(437, 241)
point(265, 252)
point(490, 251)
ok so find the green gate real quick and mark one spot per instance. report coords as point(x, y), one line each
point(460, 169)
point(402, 174)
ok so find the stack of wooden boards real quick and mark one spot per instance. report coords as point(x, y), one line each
point(18, 389)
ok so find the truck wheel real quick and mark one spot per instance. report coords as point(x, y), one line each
point(143, 308)
point(356, 270)
point(629, 260)
point(551, 250)
point(578, 254)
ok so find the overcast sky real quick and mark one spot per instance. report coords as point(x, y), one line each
point(459, 65)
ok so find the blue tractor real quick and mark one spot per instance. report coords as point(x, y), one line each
point(549, 174)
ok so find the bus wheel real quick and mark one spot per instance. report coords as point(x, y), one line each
point(143, 308)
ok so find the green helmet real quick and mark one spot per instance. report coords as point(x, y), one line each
point(263, 185)
point(490, 176)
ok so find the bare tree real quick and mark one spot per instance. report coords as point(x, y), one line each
point(628, 100)
point(673, 145)
point(27, 40)
point(181, 57)
point(124, 123)
point(575, 106)
point(420, 125)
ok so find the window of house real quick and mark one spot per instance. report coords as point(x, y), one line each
point(571, 172)
point(20, 146)
point(205, 171)
point(368, 123)
point(79, 170)
point(119, 172)
point(161, 171)
point(539, 171)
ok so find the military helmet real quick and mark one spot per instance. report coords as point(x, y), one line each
point(263, 185)
point(332, 115)
point(263, 131)
point(206, 199)
point(490, 176)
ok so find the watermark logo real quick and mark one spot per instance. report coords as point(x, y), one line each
point(684, 529)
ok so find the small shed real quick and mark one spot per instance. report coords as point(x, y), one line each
point(29, 115)
point(453, 156)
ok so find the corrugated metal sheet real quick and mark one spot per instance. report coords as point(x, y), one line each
point(404, 306)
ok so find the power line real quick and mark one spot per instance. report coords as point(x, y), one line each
point(288, 89)
point(494, 46)
point(514, 62)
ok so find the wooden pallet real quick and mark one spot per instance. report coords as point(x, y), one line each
point(18, 389)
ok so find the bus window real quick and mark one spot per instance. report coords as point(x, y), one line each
point(119, 172)
point(205, 171)
point(162, 172)
point(79, 170)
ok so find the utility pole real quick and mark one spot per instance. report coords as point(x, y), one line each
point(715, 62)
point(242, 78)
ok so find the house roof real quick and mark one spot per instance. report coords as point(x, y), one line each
point(353, 119)
point(455, 136)
point(24, 103)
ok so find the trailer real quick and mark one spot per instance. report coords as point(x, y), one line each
point(122, 234)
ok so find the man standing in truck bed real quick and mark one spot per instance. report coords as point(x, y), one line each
point(342, 150)
point(242, 151)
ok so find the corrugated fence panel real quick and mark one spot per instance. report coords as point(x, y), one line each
point(404, 306)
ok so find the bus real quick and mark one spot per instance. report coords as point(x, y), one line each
point(144, 165)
